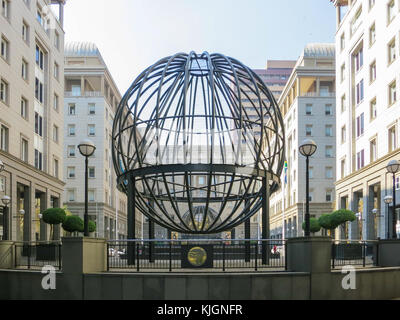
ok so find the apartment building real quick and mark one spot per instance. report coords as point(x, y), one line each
point(31, 113)
point(368, 75)
point(308, 108)
point(91, 99)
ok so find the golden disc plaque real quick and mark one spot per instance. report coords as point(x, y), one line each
point(197, 256)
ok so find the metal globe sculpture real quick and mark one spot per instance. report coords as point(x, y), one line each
point(198, 131)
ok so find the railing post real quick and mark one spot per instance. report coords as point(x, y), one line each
point(60, 257)
point(108, 256)
point(333, 255)
point(137, 257)
point(364, 253)
point(223, 256)
point(285, 251)
point(29, 256)
point(256, 254)
point(15, 255)
point(170, 256)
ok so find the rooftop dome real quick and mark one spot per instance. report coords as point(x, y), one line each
point(319, 50)
point(81, 49)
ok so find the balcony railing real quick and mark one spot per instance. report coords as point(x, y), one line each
point(321, 94)
point(69, 94)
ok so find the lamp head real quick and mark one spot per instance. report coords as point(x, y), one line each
point(308, 148)
point(86, 148)
point(388, 199)
point(393, 166)
point(6, 200)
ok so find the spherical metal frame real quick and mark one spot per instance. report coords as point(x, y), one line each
point(190, 101)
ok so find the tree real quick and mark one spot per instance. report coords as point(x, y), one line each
point(314, 225)
point(53, 216)
point(331, 221)
point(73, 224)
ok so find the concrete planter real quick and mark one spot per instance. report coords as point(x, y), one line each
point(389, 253)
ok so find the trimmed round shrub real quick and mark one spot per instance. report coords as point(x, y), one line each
point(54, 215)
point(314, 225)
point(325, 221)
point(92, 226)
point(73, 224)
point(341, 216)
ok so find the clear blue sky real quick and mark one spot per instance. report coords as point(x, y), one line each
point(133, 34)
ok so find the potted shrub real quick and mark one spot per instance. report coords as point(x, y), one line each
point(314, 225)
point(53, 217)
point(92, 226)
point(73, 225)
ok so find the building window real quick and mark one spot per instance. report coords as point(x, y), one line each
point(38, 160)
point(328, 196)
point(91, 195)
point(92, 108)
point(328, 131)
point(92, 172)
point(360, 125)
point(392, 138)
point(5, 8)
point(71, 151)
point(391, 11)
point(328, 172)
point(55, 167)
point(71, 172)
point(328, 151)
point(342, 42)
point(24, 108)
point(359, 59)
point(71, 130)
point(71, 109)
point(392, 93)
point(91, 130)
point(360, 160)
point(24, 70)
point(372, 72)
point(56, 101)
point(71, 195)
point(56, 70)
point(328, 110)
point(343, 168)
point(38, 124)
point(356, 21)
point(371, 4)
point(392, 51)
point(343, 135)
point(39, 57)
point(4, 51)
point(2, 184)
point(4, 136)
point(309, 109)
point(373, 109)
point(309, 130)
point(25, 32)
point(76, 90)
point(360, 91)
point(373, 150)
point(4, 91)
point(342, 72)
point(57, 40)
point(343, 103)
point(55, 133)
point(372, 35)
point(39, 90)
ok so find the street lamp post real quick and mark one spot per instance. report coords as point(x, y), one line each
point(86, 149)
point(393, 167)
point(388, 200)
point(6, 201)
point(307, 149)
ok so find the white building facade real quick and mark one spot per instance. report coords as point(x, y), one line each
point(308, 107)
point(91, 100)
point(368, 75)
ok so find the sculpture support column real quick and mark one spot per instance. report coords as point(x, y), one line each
point(265, 221)
point(131, 220)
point(247, 236)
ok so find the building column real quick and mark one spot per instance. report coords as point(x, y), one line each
point(353, 226)
point(318, 86)
point(82, 86)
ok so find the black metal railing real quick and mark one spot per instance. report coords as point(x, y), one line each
point(211, 255)
point(357, 253)
point(33, 255)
